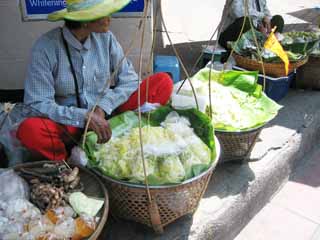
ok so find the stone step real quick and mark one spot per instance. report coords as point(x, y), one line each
point(237, 191)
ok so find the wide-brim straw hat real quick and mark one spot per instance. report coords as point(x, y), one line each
point(88, 10)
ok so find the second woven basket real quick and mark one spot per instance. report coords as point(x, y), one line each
point(237, 146)
point(271, 69)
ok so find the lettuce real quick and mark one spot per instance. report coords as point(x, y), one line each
point(172, 151)
point(171, 169)
point(238, 102)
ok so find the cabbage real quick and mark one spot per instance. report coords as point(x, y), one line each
point(136, 166)
point(172, 152)
point(171, 169)
point(188, 160)
point(238, 102)
point(112, 158)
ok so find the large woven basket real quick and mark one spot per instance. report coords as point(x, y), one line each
point(237, 146)
point(93, 187)
point(130, 201)
point(271, 69)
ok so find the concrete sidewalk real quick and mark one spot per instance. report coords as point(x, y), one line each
point(237, 192)
point(294, 212)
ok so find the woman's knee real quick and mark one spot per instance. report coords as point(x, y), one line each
point(31, 129)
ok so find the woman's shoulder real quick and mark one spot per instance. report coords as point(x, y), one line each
point(105, 37)
point(48, 40)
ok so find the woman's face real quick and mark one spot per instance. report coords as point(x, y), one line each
point(99, 26)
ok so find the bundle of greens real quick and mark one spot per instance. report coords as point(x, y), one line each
point(247, 47)
point(238, 102)
point(173, 150)
point(300, 42)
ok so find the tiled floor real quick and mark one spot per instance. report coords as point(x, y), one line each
point(294, 213)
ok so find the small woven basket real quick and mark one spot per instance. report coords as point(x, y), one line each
point(93, 187)
point(130, 201)
point(237, 146)
point(271, 69)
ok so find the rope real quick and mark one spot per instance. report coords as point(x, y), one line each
point(219, 27)
point(146, 5)
point(107, 84)
point(150, 62)
point(247, 16)
point(180, 61)
point(257, 44)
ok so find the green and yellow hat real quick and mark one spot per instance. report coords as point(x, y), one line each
point(88, 10)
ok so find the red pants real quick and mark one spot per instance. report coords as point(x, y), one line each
point(51, 140)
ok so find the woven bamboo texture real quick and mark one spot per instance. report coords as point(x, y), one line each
point(271, 69)
point(237, 146)
point(308, 76)
point(93, 187)
point(130, 201)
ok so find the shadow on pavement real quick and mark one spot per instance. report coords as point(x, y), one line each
point(230, 179)
point(121, 229)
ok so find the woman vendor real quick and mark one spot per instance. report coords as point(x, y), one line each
point(234, 18)
point(68, 71)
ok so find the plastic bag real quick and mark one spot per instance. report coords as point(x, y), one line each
point(163, 148)
point(148, 107)
point(12, 187)
point(11, 115)
point(85, 226)
point(78, 156)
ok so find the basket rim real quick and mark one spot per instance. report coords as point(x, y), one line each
point(140, 186)
point(242, 131)
point(257, 62)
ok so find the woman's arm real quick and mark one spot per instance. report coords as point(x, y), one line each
point(40, 91)
point(126, 79)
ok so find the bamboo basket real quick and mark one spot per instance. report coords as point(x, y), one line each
point(93, 187)
point(130, 201)
point(271, 69)
point(237, 146)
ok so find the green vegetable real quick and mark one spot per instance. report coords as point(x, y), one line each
point(172, 151)
point(171, 169)
point(82, 204)
point(200, 123)
point(122, 123)
point(296, 44)
point(238, 102)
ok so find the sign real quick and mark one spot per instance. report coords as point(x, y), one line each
point(39, 9)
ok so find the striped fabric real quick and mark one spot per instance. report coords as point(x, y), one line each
point(49, 86)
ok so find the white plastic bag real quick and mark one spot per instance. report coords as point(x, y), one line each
point(78, 156)
point(148, 107)
point(12, 187)
point(11, 116)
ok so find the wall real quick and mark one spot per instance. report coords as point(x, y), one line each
point(17, 38)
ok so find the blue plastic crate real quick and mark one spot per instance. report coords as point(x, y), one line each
point(276, 88)
point(168, 64)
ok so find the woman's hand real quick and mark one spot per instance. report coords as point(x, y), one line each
point(100, 125)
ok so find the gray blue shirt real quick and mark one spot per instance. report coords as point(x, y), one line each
point(49, 86)
point(235, 9)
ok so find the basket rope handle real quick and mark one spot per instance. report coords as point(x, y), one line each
point(152, 205)
point(107, 83)
point(247, 16)
point(180, 61)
